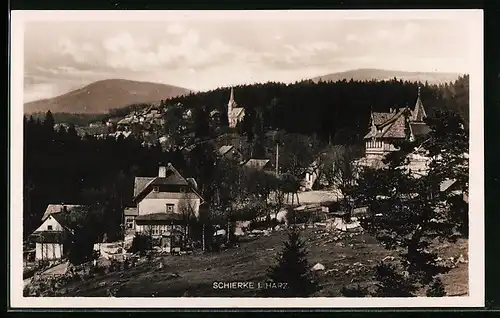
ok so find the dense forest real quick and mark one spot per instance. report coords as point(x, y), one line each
point(60, 167)
point(330, 108)
point(325, 108)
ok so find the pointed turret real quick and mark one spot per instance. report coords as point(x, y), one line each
point(418, 113)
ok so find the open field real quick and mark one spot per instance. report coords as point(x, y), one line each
point(346, 259)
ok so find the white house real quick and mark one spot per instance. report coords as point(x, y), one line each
point(164, 205)
point(50, 237)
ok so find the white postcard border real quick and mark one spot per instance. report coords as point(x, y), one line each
point(474, 18)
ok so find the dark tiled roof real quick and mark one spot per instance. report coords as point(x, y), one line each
point(392, 127)
point(418, 113)
point(419, 129)
point(130, 211)
point(144, 185)
point(257, 163)
point(396, 129)
point(172, 179)
point(141, 183)
point(381, 118)
point(159, 217)
point(58, 208)
point(225, 149)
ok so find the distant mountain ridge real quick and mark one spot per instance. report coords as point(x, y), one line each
point(368, 74)
point(101, 96)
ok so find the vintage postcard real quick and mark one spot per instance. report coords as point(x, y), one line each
point(291, 159)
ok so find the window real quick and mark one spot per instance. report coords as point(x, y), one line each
point(130, 223)
point(170, 208)
point(49, 227)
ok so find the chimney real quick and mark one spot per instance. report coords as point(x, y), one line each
point(391, 110)
point(162, 172)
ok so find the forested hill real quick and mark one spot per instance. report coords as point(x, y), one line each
point(367, 74)
point(101, 96)
point(330, 108)
point(324, 108)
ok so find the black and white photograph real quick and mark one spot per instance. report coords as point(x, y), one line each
point(243, 158)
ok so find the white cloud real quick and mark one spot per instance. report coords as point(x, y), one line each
point(203, 57)
point(83, 53)
point(39, 91)
point(125, 52)
point(175, 28)
point(119, 43)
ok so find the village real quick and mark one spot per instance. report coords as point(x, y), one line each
point(165, 233)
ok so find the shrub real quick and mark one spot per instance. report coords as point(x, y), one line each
point(436, 289)
point(141, 244)
point(352, 291)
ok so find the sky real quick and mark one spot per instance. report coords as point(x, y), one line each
point(202, 54)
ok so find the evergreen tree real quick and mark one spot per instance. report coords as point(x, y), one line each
point(248, 123)
point(223, 119)
point(49, 122)
point(292, 269)
point(202, 123)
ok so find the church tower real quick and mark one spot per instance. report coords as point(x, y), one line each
point(231, 104)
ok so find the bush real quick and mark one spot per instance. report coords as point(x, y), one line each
point(356, 291)
point(436, 289)
point(392, 282)
point(297, 217)
point(141, 244)
point(81, 248)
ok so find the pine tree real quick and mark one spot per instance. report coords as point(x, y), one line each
point(202, 123)
point(292, 269)
point(49, 122)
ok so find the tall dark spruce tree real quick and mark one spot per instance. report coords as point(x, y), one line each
point(409, 212)
point(293, 270)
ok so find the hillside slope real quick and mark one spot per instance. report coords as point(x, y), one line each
point(100, 96)
point(379, 75)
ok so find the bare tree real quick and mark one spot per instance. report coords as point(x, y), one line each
point(340, 169)
point(187, 208)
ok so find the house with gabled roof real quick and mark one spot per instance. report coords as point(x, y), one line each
point(397, 124)
point(258, 164)
point(230, 152)
point(164, 205)
point(50, 237)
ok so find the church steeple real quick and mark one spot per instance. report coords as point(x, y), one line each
point(231, 102)
point(418, 113)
